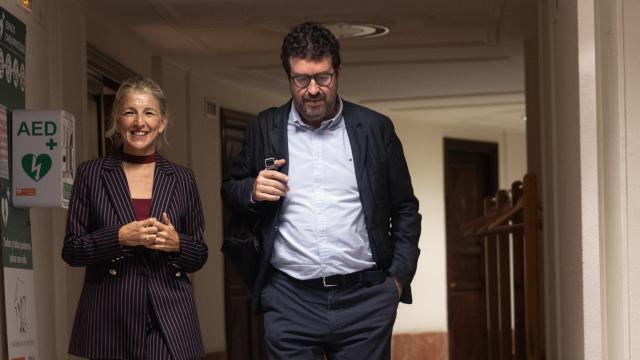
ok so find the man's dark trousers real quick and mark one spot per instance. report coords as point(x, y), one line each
point(346, 322)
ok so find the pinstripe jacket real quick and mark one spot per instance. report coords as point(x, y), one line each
point(122, 282)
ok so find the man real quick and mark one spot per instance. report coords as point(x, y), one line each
point(339, 224)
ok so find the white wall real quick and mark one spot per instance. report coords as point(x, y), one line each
point(570, 136)
point(631, 172)
point(619, 90)
point(423, 147)
point(616, 259)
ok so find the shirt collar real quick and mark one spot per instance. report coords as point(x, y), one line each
point(337, 120)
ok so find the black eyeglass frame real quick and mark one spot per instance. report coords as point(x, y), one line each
point(307, 79)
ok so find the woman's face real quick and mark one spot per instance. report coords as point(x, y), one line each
point(140, 121)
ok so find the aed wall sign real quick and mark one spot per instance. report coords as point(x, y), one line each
point(43, 158)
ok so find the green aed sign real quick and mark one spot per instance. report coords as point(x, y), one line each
point(13, 34)
point(36, 167)
point(37, 128)
point(43, 158)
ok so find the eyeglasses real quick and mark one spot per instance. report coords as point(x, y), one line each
point(322, 79)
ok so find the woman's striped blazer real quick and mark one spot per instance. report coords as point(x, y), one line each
point(122, 284)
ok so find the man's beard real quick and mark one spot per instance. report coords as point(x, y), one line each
point(316, 112)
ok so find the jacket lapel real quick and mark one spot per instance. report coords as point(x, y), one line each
point(117, 188)
point(279, 135)
point(357, 139)
point(163, 186)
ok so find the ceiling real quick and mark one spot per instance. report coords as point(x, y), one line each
point(456, 62)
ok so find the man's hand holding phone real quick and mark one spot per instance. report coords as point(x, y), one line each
point(271, 184)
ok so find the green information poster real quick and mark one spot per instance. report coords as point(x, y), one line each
point(13, 35)
point(17, 257)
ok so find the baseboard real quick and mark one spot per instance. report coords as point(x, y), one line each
point(420, 346)
point(216, 356)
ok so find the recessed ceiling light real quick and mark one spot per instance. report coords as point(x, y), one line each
point(344, 30)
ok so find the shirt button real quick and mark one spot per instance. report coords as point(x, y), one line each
point(112, 272)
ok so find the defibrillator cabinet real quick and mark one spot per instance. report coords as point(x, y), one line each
point(43, 157)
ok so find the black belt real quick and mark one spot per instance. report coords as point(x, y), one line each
point(369, 276)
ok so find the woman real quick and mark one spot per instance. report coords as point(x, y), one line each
point(135, 222)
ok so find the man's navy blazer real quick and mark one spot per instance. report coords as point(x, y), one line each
point(386, 194)
point(122, 282)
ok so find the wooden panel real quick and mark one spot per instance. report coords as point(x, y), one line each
point(534, 311)
point(515, 314)
point(492, 287)
point(470, 175)
point(244, 333)
point(498, 265)
point(470, 341)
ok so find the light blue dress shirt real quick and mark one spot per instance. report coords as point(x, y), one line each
point(321, 230)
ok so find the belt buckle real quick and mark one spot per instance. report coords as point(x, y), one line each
point(324, 282)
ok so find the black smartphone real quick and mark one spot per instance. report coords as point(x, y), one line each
point(270, 163)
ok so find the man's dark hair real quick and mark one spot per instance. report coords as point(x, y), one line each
point(310, 40)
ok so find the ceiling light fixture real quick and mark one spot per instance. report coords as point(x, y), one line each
point(343, 30)
point(26, 4)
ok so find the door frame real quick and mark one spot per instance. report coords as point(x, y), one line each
point(237, 298)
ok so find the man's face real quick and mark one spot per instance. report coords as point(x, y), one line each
point(315, 102)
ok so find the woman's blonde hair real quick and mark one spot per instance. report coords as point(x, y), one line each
point(144, 86)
